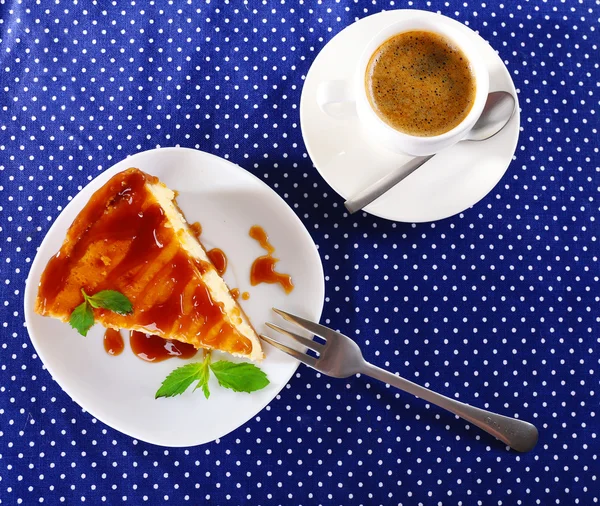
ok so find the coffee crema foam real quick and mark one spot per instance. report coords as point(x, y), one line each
point(419, 83)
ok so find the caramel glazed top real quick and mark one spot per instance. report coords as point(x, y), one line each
point(123, 241)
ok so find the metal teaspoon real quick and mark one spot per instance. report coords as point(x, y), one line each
point(498, 110)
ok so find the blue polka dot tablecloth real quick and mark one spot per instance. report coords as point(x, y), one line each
point(497, 306)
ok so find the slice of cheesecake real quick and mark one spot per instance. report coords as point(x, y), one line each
point(131, 237)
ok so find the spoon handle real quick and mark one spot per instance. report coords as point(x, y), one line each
point(364, 197)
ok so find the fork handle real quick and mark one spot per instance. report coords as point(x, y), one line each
point(518, 434)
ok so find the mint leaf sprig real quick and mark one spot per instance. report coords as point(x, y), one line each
point(82, 317)
point(239, 377)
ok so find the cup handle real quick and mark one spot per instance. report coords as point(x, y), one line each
point(336, 99)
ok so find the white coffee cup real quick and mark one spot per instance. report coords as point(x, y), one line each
point(334, 97)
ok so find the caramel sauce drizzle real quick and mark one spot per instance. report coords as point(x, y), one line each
point(235, 293)
point(122, 241)
point(263, 268)
point(218, 259)
point(196, 229)
point(216, 256)
point(113, 342)
point(151, 348)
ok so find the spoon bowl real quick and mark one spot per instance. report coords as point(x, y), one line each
point(499, 108)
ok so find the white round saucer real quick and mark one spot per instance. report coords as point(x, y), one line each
point(455, 179)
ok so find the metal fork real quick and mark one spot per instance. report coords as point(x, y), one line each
point(340, 357)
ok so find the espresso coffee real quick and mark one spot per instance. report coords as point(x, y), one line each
point(420, 83)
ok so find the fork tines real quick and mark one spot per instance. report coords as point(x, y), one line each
point(312, 327)
point(309, 343)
